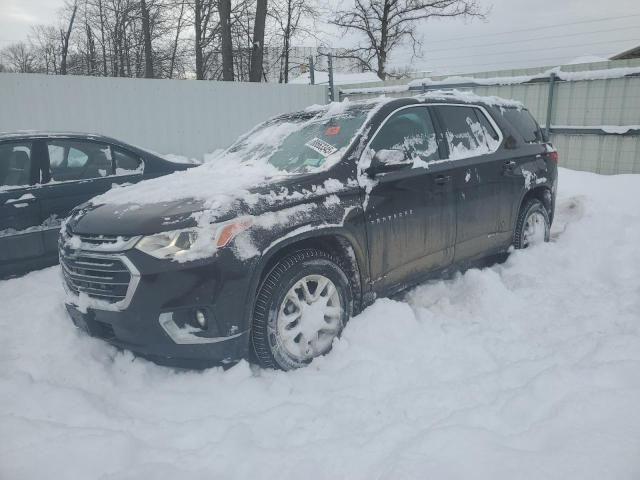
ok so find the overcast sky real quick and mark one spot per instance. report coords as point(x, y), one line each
point(517, 33)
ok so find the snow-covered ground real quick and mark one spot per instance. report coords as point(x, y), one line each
point(530, 369)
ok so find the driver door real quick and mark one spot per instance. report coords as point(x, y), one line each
point(410, 211)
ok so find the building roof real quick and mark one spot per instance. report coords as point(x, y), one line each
point(627, 54)
point(339, 78)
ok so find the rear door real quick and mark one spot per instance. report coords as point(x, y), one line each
point(526, 166)
point(20, 230)
point(80, 169)
point(410, 212)
point(478, 166)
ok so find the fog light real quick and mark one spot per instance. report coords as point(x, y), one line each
point(201, 318)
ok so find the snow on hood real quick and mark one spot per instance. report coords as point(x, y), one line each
point(240, 170)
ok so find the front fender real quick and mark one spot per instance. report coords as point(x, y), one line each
point(349, 231)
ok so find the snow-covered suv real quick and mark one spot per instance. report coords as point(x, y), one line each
point(267, 251)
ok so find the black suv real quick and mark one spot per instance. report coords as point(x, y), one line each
point(44, 175)
point(268, 251)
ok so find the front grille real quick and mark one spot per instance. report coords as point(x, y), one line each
point(101, 240)
point(102, 277)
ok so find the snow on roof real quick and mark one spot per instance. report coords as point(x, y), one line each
point(562, 75)
point(602, 74)
point(469, 97)
point(339, 78)
point(587, 59)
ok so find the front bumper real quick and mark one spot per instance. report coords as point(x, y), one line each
point(118, 330)
point(163, 290)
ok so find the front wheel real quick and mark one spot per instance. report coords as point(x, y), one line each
point(533, 224)
point(301, 307)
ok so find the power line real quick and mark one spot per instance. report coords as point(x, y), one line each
point(634, 27)
point(509, 52)
point(536, 28)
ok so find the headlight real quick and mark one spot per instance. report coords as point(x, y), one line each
point(194, 242)
point(168, 244)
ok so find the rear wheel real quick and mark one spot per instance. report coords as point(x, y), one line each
point(301, 307)
point(533, 224)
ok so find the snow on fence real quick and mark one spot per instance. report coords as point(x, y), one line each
point(592, 111)
point(168, 116)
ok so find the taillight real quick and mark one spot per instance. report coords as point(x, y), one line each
point(553, 155)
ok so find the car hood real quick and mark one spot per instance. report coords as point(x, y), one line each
point(145, 219)
point(130, 220)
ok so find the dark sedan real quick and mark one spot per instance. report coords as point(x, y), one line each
point(44, 175)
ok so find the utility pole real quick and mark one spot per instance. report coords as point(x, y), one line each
point(332, 90)
point(312, 73)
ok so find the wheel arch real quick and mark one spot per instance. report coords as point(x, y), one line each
point(542, 193)
point(333, 241)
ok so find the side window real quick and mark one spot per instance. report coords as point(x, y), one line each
point(524, 123)
point(463, 131)
point(410, 131)
point(126, 163)
point(491, 136)
point(15, 164)
point(78, 160)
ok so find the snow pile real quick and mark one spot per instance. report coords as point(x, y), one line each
point(529, 369)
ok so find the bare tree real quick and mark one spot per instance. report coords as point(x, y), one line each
point(386, 24)
point(178, 31)
point(64, 38)
point(45, 46)
point(205, 33)
point(19, 58)
point(91, 50)
point(226, 43)
point(146, 32)
point(288, 17)
point(258, 42)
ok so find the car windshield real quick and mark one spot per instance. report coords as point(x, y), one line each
point(300, 143)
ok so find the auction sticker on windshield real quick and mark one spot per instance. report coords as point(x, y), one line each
point(320, 146)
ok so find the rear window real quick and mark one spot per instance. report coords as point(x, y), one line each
point(524, 123)
point(126, 163)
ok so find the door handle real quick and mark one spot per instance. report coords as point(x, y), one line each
point(443, 179)
point(20, 202)
point(510, 165)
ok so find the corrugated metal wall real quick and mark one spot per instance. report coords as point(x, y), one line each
point(614, 101)
point(168, 116)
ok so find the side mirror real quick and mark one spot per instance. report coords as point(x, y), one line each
point(388, 161)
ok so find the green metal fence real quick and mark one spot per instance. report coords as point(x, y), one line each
point(592, 111)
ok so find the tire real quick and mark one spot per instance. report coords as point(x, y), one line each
point(533, 225)
point(282, 334)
